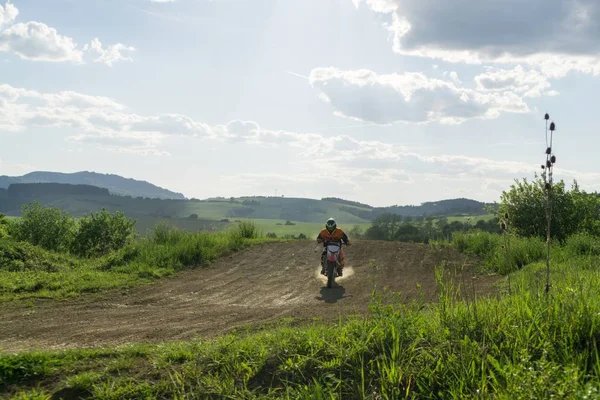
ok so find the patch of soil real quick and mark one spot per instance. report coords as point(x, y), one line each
point(263, 283)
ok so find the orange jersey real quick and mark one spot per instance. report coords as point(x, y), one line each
point(337, 236)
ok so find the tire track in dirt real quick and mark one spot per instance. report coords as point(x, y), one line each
point(263, 283)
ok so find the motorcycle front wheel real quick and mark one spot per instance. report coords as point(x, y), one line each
point(330, 273)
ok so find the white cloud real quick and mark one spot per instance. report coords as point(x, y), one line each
point(111, 53)
point(559, 35)
point(170, 124)
point(408, 97)
point(354, 164)
point(531, 83)
point(37, 41)
point(8, 13)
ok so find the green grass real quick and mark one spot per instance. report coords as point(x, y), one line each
point(519, 346)
point(491, 247)
point(146, 223)
point(27, 271)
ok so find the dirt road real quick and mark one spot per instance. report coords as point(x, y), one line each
point(263, 283)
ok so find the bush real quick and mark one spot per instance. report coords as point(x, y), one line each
point(272, 235)
point(356, 231)
point(49, 228)
point(247, 230)
point(289, 223)
point(3, 226)
point(21, 256)
point(102, 233)
point(193, 216)
point(302, 236)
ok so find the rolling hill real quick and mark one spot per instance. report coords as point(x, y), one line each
point(82, 199)
point(114, 183)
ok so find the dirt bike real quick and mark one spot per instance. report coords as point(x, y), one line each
point(332, 261)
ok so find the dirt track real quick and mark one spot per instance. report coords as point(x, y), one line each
point(263, 283)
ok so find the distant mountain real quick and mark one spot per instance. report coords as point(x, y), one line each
point(114, 183)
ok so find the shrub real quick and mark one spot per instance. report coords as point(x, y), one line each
point(248, 230)
point(49, 228)
point(3, 226)
point(101, 233)
point(272, 235)
point(20, 256)
point(356, 231)
point(302, 236)
point(193, 216)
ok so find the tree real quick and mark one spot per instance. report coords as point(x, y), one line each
point(376, 232)
point(102, 233)
point(525, 203)
point(587, 206)
point(384, 227)
point(408, 232)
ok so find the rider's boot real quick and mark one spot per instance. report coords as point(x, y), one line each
point(340, 270)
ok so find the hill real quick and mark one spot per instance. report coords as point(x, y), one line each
point(114, 183)
point(81, 199)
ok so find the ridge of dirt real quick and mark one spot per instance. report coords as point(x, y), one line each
point(260, 284)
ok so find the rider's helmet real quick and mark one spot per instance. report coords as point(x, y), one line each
point(331, 225)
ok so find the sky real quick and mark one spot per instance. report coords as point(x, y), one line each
point(380, 101)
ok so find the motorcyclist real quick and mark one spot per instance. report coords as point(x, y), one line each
point(332, 233)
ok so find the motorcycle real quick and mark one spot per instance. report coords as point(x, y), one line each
point(332, 261)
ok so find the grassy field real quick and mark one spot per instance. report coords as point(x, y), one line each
point(28, 271)
point(520, 345)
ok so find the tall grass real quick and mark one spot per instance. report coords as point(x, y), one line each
point(490, 247)
point(524, 345)
point(582, 244)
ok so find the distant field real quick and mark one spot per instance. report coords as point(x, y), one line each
point(474, 218)
point(310, 229)
point(308, 210)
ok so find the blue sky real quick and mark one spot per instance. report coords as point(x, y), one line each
point(381, 101)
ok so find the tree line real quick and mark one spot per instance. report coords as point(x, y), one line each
point(522, 207)
point(395, 227)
